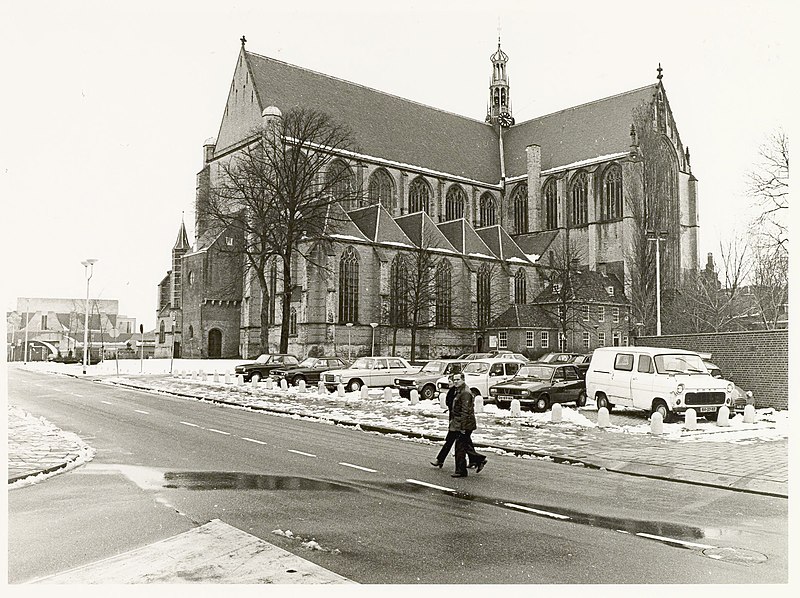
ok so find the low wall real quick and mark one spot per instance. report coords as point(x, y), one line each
point(755, 360)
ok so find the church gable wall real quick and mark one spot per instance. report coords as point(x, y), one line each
point(242, 108)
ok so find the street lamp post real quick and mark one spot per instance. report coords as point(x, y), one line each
point(172, 352)
point(657, 236)
point(88, 269)
point(349, 346)
point(27, 309)
point(374, 326)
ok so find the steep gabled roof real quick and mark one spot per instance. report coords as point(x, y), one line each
point(588, 286)
point(339, 225)
point(501, 244)
point(423, 232)
point(534, 245)
point(377, 225)
point(582, 132)
point(182, 243)
point(523, 316)
point(464, 238)
point(384, 125)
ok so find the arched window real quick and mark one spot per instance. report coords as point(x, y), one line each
point(293, 322)
point(398, 292)
point(419, 196)
point(161, 333)
point(550, 205)
point(341, 183)
point(611, 207)
point(272, 283)
point(579, 192)
point(191, 331)
point(348, 286)
point(381, 189)
point(487, 210)
point(454, 203)
point(483, 296)
point(444, 291)
point(519, 200)
point(520, 287)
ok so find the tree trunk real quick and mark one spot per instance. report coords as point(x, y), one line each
point(286, 304)
point(413, 341)
point(264, 323)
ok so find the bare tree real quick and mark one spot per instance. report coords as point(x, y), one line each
point(771, 284)
point(277, 191)
point(768, 185)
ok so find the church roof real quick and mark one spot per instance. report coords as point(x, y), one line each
point(339, 225)
point(183, 240)
point(523, 316)
point(423, 232)
point(464, 238)
point(534, 245)
point(385, 126)
point(501, 244)
point(574, 134)
point(589, 286)
point(378, 226)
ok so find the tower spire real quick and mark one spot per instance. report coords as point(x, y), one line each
point(499, 92)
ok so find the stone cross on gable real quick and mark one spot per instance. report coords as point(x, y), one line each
point(243, 40)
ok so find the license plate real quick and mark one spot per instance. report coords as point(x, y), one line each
point(506, 397)
point(707, 409)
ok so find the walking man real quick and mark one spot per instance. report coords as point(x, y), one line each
point(463, 421)
point(452, 435)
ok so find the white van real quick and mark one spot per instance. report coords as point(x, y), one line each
point(668, 381)
point(480, 374)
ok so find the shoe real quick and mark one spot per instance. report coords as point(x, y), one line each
point(437, 464)
point(472, 466)
point(458, 475)
point(480, 466)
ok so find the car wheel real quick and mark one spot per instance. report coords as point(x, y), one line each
point(581, 402)
point(354, 385)
point(427, 392)
point(602, 401)
point(503, 405)
point(255, 378)
point(660, 406)
point(542, 403)
point(296, 380)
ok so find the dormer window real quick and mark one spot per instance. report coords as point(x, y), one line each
point(556, 288)
point(229, 241)
point(610, 291)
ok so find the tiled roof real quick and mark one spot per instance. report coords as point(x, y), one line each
point(523, 316)
point(501, 243)
point(535, 243)
point(595, 129)
point(423, 232)
point(384, 126)
point(464, 238)
point(378, 226)
point(589, 286)
point(338, 224)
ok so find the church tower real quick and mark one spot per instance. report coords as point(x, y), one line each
point(499, 94)
point(180, 249)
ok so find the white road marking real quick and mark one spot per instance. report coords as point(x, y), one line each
point(106, 402)
point(674, 541)
point(75, 394)
point(537, 511)
point(190, 424)
point(622, 531)
point(140, 411)
point(427, 485)
point(252, 440)
point(359, 467)
point(218, 431)
point(301, 453)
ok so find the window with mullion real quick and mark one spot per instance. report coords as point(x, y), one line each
point(488, 214)
point(443, 294)
point(419, 196)
point(611, 207)
point(454, 203)
point(381, 189)
point(580, 206)
point(348, 286)
point(520, 287)
point(520, 203)
point(550, 205)
point(483, 296)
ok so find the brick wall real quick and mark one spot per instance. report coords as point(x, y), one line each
point(755, 360)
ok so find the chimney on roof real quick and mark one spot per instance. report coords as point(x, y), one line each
point(208, 149)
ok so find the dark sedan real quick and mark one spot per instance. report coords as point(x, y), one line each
point(264, 366)
point(539, 385)
point(309, 370)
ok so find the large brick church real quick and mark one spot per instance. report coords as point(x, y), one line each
point(494, 198)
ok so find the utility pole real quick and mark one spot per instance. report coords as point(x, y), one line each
point(88, 268)
point(657, 236)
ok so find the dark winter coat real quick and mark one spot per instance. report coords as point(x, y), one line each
point(462, 415)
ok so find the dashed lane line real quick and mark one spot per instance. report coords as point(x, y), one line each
point(674, 541)
point(217, 431)
point(190, 424)
point(252, 440)
point(427, 485)
point(359, 467)
point(106, 402)
point(301, 453)
point(140, 411)
point(75, 394)
point(537, 511)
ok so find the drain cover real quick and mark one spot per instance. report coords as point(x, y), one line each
point(735, 555)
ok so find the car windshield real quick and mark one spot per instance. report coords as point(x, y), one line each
point(476, 368)
point(363, 363)
point(434, 367)
point(309, 362)
point(679, 364)
point(534, 371)
point(262, 359)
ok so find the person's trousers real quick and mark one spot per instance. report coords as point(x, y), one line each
point(464, 447)
point(449, 440)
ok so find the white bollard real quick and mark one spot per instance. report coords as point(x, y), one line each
point(515, 407)
point(284, 384)
point(555, 415)
point(202, 375)
point(216, 377)
point(365, 392)
point(749, 414)
point(239, 379)
point(723, 417)
point(227, 377)
point(269, 383)
point(603, 419)
point(253, 381)
point(340, 390)
point(321, 390)
point(387, 394)
point(691, 419)
point(414, 397)
point(656, 424)
point(478, 404)
point(443, 400)
point(302, 385)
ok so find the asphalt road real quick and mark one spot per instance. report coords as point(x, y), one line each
point(381, 513)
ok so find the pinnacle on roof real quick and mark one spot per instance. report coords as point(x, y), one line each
point(659, 69)
point(499, 56)
point(183, 241)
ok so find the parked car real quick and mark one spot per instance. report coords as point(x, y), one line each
point(308, 370)
point(539, 385)
point(558, 357)
point(667, 381)
point(582, 363)
point(471, 356)
point(372, 371)
point(480, 374)
point(424, 381)
point(741, 398)
point(264, 365)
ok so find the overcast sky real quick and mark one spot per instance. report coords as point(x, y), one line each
point(106, 104)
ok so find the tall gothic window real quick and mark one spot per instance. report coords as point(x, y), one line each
point(419, 196)
point(398, 292)
point(487, 211)
point(519, 201)
point(454, 203)
point(293, 322)
point(161, 333)
point(381, 189)
point(520, 287)
point(348, 286)
point(484, 296)
point(551, 205)
point(341, 182)
point(579, 191)
point(444, 291)
point(611, 207)
point(273, 291)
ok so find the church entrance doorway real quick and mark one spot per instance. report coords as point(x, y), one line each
point(214, 343)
